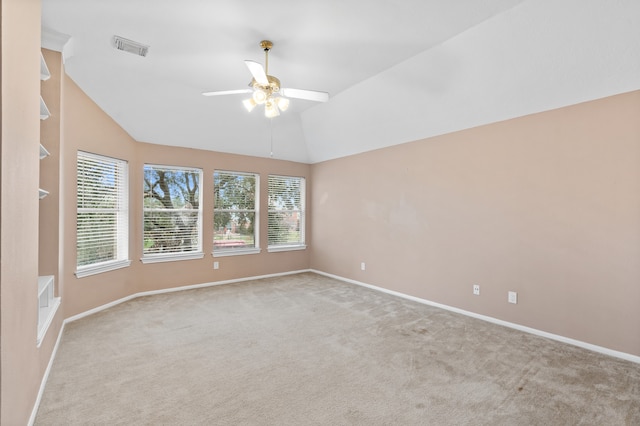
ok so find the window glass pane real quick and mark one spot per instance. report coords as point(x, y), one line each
point(286, 211)
point(237, 233)
point(235, 211)
point(172, 210)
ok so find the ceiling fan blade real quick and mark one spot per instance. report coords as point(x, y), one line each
point(257, 72)
point(310, 95)
point(227, 92)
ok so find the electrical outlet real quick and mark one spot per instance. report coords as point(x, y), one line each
point(476, 289)
point(512, 297)
point(362, 266)
point(216, 265)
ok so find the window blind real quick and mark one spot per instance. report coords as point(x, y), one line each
point(286, 215)
point(102, 210)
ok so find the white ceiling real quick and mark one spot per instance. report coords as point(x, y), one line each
point(396, 71)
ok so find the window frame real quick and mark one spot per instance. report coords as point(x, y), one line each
point(121, 259)
point(256, 218)
point(289, 246)
point(172, 256)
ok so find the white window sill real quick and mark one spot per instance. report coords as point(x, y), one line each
point(236, 252)
point(172, 257)
point(99, 268)
point(275, 249)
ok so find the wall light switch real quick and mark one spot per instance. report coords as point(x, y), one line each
point(216, 265)
point(513, 297)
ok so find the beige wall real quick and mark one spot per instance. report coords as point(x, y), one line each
point(547, 205)
point(22, 364)
point(86, 127)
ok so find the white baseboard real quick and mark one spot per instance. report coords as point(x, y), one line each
point(45, 377)
point(174, 289)
point(563, 339)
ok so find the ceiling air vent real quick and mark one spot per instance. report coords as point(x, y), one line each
point(130, 46)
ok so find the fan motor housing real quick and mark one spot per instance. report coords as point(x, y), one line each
point(273, 87)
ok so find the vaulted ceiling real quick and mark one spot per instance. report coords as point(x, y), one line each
point(396, 71)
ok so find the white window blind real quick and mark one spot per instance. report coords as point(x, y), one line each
point(102, 212)
point(286, 216)
point(235, 212)
point(172, 213)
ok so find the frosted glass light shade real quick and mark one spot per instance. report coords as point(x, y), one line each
point(283, 103)
point(259, 96)
point(249, 104)
point(271, 110)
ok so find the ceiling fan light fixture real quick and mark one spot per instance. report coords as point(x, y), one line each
point(271, 109)
point(265, 89)
point(259, 96)
point(282, 103)
point(249, 104)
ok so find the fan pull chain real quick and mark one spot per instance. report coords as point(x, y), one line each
point(271, 133)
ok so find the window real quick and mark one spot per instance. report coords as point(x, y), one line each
point(102, 214)
point(286, 213)
point(172, 213)
point(235, 213)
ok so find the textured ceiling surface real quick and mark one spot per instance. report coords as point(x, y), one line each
point(395, 71)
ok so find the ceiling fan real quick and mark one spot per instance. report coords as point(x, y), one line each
point(266, 89)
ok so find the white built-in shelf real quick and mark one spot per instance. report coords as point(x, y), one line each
point(44, 283)
point(44, 114)
point(47, 305)
point(44, 70)
point(43, 152)
point(44, 111)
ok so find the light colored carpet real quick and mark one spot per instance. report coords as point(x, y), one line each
point(309, 350)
